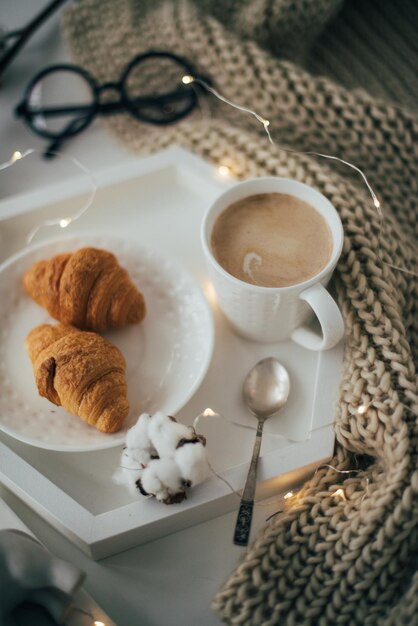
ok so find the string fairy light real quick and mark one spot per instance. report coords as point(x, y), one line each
point(284, 501)
point(335, 469)
point(208, 412)
point(188, 79)
point(227, 168)
point(62, 222)
point(338, 493)
point(16, 156)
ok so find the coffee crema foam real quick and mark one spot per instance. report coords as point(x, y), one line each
point(271, 240)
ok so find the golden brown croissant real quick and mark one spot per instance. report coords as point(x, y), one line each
point(87, 289)
point(81, 371)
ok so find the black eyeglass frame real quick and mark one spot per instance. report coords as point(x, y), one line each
point(125, 102)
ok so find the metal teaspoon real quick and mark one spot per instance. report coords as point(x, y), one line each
point(265, 391)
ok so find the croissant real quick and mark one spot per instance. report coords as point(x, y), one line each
point(87, 289)
point(81, 371)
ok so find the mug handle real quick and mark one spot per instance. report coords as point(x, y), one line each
point(329, 316)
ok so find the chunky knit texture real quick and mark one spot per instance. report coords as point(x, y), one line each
point(324, 560)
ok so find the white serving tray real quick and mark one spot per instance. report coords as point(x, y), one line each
point(159, 201)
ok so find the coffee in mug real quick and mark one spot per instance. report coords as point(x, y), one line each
point(271, 245)
point(271, 240)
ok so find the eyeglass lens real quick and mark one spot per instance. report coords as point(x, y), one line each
point(155, 91)
point(61, 101)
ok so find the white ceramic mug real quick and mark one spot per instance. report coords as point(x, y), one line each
point(270, 314)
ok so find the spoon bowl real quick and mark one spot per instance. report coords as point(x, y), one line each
point(266, 388)
point(265, 391)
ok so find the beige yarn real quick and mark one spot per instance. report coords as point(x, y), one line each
point(324, 560)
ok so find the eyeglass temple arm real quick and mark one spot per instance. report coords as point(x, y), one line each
point(27, 31)
point(51, 151)
point(108, 107)
point(105, 107)
point(55, 145)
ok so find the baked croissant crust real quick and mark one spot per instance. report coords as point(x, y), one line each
point(87, 289)
point(81, 371)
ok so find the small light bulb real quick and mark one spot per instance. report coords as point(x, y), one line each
point(288, 495)
point(340, 493)
point(362, 409)
point(97, 623)
point(16, 156)
point(208, 412)
point(64, 223)
point(187, 79)
point(376, 203)
point(266, 123)
point(223, 170)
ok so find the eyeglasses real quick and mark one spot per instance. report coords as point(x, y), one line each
point(62, 100)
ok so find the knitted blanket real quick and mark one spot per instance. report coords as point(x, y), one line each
point(324, 560)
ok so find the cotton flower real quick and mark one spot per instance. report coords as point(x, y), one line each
point(162, 458)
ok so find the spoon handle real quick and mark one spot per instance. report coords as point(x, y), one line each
point(245, 513)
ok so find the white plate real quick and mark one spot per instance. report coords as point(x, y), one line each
point(167, 355)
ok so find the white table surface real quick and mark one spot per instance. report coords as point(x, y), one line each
point(170, 581)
